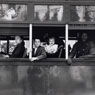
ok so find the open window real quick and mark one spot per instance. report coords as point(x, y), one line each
point(76, 36)
point(47, 33)
point(7, 38)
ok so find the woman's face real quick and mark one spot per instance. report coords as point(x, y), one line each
point(51, 41)
point(18, 40)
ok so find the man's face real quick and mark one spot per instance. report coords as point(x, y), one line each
point(51, 41)
point(37, 43)
point(84, 37)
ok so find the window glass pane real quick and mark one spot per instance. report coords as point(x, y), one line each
point(13, 12)
point(48, 13)
point(82, 13)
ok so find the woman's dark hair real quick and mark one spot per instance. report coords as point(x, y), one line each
point(22, 40)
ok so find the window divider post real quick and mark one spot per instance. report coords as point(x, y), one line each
point(66, 41)
point(30, 40)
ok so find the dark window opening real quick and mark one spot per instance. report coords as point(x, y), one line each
point(7, 38)
point(83, 42)
point(47, 33)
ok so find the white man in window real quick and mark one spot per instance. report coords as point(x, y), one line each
point(38, 51)
point(52, 48)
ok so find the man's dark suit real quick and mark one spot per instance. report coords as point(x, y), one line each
point(40, 53)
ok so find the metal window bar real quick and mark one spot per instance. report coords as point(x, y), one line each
point(30, 40)
point(66, 41)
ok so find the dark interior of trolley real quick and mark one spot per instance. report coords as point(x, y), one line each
point(7, 35)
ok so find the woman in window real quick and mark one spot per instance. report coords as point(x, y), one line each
point(19, 49)
point(52, 48)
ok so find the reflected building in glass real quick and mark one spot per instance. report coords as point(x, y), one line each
point(83, 13)
point(80, 11)
point(40, 12)
point(91, 13)
point(56, 13)
point(13, 12)
point(48, 13)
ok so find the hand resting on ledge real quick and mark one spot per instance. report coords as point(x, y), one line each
point(34, 59)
